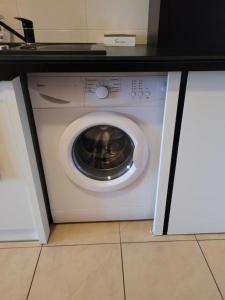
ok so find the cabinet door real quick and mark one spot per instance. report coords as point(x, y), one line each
point(198, 201)
point(15, 211)
point(22, 208)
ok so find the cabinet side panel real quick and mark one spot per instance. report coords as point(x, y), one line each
point(16, 219)
point(32, 176)
point(169, 120)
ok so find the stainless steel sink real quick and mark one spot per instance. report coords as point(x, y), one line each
point(6, 47)
point(54, 48)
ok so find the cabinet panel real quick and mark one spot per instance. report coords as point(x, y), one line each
point(22, 208)
point(169, 119)
point(15, 210)
point(198, 202)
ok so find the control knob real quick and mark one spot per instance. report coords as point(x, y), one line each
point(102, 92)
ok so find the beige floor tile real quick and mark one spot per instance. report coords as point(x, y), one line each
point(79, 272)
point(17, 268)
point(139, 231)
point(210, 236)
point(167, 270)
point(85, 233)
point(25, 244)
point(214, 252)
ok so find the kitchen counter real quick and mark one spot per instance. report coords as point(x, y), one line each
point(120, 59)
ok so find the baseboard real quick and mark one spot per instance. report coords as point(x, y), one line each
point(7, 235)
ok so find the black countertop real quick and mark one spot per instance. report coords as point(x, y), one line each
point(118, 59)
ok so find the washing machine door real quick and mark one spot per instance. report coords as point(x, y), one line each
point(103, 151)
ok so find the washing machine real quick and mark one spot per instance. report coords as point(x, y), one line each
point(99, 137)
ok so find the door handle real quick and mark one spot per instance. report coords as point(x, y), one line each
point(53, 99)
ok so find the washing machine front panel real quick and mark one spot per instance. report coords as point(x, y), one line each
point(138, 99)
point(71, 203)
point(103, 151)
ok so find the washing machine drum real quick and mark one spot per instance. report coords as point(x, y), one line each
point(103, 151)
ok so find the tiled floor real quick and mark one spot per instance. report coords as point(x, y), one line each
point(114, 261)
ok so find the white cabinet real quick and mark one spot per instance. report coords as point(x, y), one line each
point(22, 211)
point(169, 120)
point(198, 199)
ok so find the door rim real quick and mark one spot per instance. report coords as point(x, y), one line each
point(140, 155)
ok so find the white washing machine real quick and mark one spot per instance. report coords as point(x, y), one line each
point(99, 138)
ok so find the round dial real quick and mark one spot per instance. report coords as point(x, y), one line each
point(102, 92)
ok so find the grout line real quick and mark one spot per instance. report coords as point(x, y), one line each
point(112, 243)
point(20, 247)
point(90, 244)
point(34, 274)
point(18, 9)
point(210, 269)
point(101, 243)
point(116, 243)
point(159, 241)
point(121, 253)
point(208, 240)
point(86, 22)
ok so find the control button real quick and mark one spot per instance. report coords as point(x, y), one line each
point(102, 92)
point(133, 94)
point(140, 94)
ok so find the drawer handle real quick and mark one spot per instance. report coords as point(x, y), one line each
point(53, 99)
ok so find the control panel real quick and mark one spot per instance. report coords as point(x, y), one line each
point(80, 89)
point(112, 84)
point(124, 90)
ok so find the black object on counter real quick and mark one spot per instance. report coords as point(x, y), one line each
point(28, 30)
point(187, 24)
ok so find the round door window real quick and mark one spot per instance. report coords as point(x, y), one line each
point(103, 152)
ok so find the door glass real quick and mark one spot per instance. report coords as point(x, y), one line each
point(103, 152)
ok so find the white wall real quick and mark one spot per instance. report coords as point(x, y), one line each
point(80, 20)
